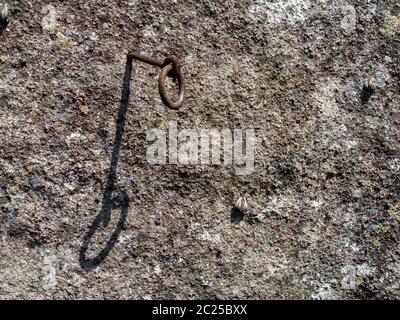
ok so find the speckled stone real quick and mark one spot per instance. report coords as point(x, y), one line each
point(317, 80)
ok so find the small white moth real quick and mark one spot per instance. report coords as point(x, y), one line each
point(4, 12)
point(3, 18)
point(241, 204)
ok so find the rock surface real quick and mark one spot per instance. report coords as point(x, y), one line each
point(317, 80)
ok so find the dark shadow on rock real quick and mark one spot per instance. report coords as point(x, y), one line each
point(236, 216)
point(366, 94)
point(109, 202)
point(3, 26)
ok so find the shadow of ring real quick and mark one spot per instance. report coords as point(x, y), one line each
point(91, 263)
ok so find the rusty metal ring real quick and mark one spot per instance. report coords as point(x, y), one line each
point(171, 67)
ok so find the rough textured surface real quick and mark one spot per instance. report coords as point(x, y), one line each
point(319, 80)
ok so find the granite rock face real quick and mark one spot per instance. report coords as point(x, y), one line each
point(83, 214)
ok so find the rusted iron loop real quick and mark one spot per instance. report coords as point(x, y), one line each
point(171, 67)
